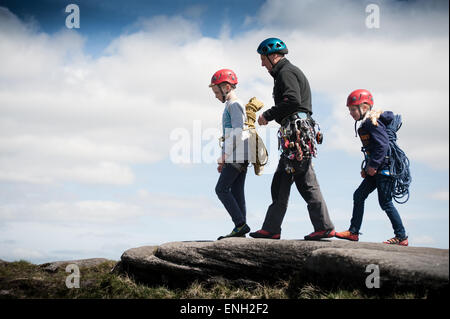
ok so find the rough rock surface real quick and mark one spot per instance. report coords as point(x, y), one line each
point(264, 260)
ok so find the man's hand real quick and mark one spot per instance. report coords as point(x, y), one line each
point(262, 120)
point(371, 171)
point(219, 168)
point(363, 174)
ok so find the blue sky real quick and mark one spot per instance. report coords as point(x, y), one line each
point(87, 117)
point(102, 21)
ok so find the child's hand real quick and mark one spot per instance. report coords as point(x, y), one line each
point(221, 159)
point(371, 171)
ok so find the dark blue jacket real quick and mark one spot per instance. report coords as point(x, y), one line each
point(375, 140)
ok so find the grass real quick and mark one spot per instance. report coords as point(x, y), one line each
point(22, 279)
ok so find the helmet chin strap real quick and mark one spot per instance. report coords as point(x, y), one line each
point(361, 116)
point(224, 95)
point(271, 63)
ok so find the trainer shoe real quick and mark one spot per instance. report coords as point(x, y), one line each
point(320, 234)
point(347, 235)
point(264, 234)
point(237, 232)
point(397, 241)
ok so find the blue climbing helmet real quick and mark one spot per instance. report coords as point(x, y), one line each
point(272, 45)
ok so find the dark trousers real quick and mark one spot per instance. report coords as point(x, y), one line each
point(384, 186)
point(230, 190)
point(308, 187)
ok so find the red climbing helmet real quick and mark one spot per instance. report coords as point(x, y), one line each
point(360, 96)
point(224, 75)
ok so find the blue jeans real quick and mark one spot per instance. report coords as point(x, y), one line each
point(384, 185)
point(230, 190)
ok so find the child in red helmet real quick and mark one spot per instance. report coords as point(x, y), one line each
point(375, 172)
point(232, 165)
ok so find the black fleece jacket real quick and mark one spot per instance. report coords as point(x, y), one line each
point(291, 92)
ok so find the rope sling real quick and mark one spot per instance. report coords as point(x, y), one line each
point(399, 163)
point(257, 147)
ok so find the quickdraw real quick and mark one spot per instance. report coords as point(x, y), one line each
point(297, 139)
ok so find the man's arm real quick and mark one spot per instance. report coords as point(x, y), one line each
point(290, 98)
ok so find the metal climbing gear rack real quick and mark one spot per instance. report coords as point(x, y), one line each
point(298, 137)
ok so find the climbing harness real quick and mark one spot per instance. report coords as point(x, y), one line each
point(297, 139)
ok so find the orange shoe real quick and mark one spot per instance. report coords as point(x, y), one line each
point(397, 241)
point(347, 235)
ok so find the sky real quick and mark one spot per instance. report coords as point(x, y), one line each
point(108, 132)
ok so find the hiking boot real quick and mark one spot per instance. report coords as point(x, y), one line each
point(347, 235)
point(320, 234)
point(397, 241)
point(237, 232)
point(264, 234)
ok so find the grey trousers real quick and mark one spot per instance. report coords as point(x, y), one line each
point(308, 187)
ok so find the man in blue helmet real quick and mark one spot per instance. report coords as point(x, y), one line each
point(292, 96)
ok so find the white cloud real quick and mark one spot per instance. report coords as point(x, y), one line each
point(442, 195)
point(74, 118)
point(68, 117)
point(63, 109)
point(41, 240)
point(422, 240)
point(76, 213)
point(57, 229)
point(20, 253)
point(180, 206)
point(404, 64)
point(104, 172)
point(329, 18)
point(86, 212)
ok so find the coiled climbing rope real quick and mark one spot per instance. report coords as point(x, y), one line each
point(399, 163)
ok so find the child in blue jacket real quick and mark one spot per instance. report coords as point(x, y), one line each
point(375, 172)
